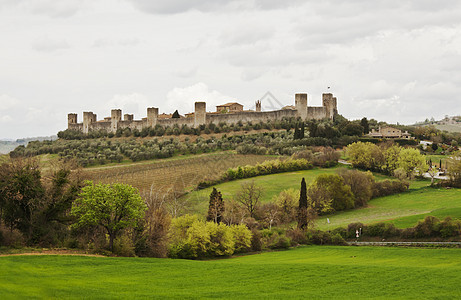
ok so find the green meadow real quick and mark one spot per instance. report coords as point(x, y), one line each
point(404, 210)
point(305, 272)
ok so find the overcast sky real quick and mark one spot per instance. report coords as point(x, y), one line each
point(392, 60)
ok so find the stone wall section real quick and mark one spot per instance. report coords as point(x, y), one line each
point(200, 117)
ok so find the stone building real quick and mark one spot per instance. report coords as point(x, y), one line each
point(389, 132)
point(201, 117)
point(232, 107)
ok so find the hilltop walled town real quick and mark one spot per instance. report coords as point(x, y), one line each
point(229, 113)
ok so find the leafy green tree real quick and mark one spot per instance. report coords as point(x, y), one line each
point(365, 156)
point(215, 207)
point(361, 184)
point(352, 129)
point(21, 194)
point(111, 206)
point(302, 208)
point(391, 158)
point(454, 170)
point(329, 193)
point(411, 162)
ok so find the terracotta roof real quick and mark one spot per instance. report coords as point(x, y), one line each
point(229, 104)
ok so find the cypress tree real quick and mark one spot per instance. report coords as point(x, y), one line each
point(302, 209)
point(216, 207)
point(175, 115)
point(296, 134)
point(365, 125)
point(301, 131)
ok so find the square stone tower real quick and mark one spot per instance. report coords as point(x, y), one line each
point(200, 114)
point(301, 105)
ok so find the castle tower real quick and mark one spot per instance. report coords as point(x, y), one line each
point(200, 114)
point(152, 116)
point(258, 105)
point(128, 117)
point(87, 121)
point(71, 119)
point(115, 117)
point(301, 105)
point(329, 103)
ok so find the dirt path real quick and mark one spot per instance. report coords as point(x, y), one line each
point(53, 252)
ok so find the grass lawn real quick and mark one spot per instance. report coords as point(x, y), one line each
point(307, 272)
point(272, 185)
point(404, 210)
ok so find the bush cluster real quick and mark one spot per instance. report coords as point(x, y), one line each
point(192, 238)
point(430, 227)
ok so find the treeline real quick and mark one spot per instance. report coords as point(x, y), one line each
point(102, 151)
point(389, 159)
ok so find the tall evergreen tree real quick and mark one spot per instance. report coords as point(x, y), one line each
point(175, 115)
point(216, 207)
point(302, 209)
point(296, 134)
point(301, 131)
point(365, 125)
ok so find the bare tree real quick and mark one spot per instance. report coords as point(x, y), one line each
point(249, 196)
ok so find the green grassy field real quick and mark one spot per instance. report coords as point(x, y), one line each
point(272, 185)
point(404, 210)
point(307, 272)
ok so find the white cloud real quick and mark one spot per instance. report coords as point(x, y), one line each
point(46, 44)
point(50, 8)
point(183, 99)
point(7, 102)
point(129, 104)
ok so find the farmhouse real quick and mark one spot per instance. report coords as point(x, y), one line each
point(389, 132)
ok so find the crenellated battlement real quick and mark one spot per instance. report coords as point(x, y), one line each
point(201, 117)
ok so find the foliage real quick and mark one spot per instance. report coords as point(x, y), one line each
point(192, 238)
point(329, 193)
point(454, 170)
point(365, 156)
point(302, 207)
point(37, 206)
point(361, 184)
point(215, 207)
point(249, 196)
point(111, 206)
point(411, 162)
point(287, 203)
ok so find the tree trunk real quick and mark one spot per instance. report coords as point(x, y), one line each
point(111, 241)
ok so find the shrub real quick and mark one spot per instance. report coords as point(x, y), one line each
point(389, 187)
point(123, 246)
point(383, 230)
point(430, 226)
point(337, 239)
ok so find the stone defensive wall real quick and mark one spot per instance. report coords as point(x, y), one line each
point(202, 117)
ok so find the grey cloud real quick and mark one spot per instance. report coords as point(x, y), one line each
point(46, 44)
point(179, 6)
point(246, 35)
point(108, 42)
point(51, 8)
